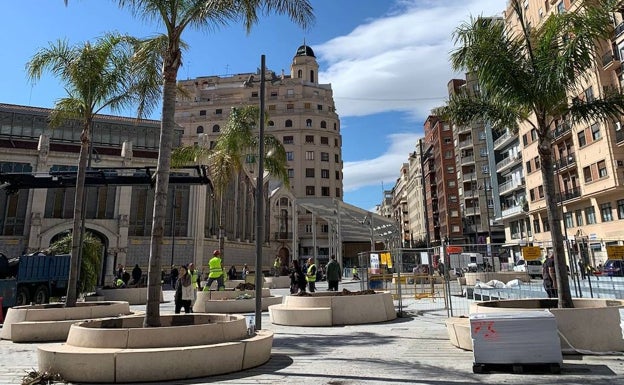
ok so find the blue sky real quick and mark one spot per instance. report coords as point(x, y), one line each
point(387, 62)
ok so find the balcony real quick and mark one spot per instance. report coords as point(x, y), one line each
point(619, 133)
point(618, 30)
point(467, 159)
point(507, 137)
point(465, 143)
point(509, 161)
point(565, 162)
point(569, 194)
point(469, 176)
point(561, 130)
point(514, 210)
point(509, 186)
point(610, 60)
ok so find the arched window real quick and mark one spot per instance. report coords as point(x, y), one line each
point(200, 129)
point(299, 74)
point(271, 123)
point(216, 128)
point(288, 123)
point(312, 76)
point(308, 122)
point(323, 124)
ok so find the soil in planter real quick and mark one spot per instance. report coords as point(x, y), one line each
point(342, 293)
point(245, 286)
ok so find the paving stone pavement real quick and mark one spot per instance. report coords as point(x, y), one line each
point(413, 349)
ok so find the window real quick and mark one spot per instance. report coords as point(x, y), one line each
point(200, 129)
point(337, 175)
point(309, 155)
point(561, 7)
point(451, 183)
point(216, 128)
point(272, 107)
point(290, 156)
point(595, 131)
point(528, 166)
point(309, 139)
point(288, 123)
point(602, 169)
point(271, 123)
point(620, 208)
point(536, 161)
point(309, 190)
point(454, 213)
point(335, 142)
point(338, 195)
point(324, 156)
point(606, 214)
point(309, 173)
point(336, 158)
point(290, 106)
point(218, 111)
point(254, 94)
point(579, 217)
point(308, 122)
point(323, 124)
point(533, 135)
point(453, 198)
point(581, 138)
point(291, 173)
point(448, 140)
point(448, 154)
point(307, 106)
point(202, 112)
point(590, 215)
point(450, 169)
point(288, 140)
point(540, 192)
point(481, 135)
point(308, 228)
point(290, 92)
point(325, 174)
point(324, 191)
point(589, 94)
point(568, 220)
point(485, 169)
point(319, 107)
point(587, 177)
point(484, 152)
point(324, 228)
point(536, 226)
point(525, 141)
point(273, 94)
point(324, 140)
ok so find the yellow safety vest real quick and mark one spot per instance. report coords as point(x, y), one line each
point(215, 267)
point(195, 279)
point(310, 276)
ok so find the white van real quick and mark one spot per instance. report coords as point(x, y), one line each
point(533, 268)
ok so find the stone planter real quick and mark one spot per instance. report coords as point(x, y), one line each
point(51, 322)
point(185, 346)
point(132, 295)
point(281, 282)
point(593, 325)
point(233, 301)
point(331, 308)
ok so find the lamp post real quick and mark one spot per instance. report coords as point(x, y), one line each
point(259, 195)
point(173, 220)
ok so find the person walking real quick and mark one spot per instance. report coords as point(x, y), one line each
point(183, 292)
point(232, 273)
point(277, 263)
point(297, 279)
point(549, 276)
point(173, 276)
point(137, 273)
point(311, 275)
point(332, 271)
point(216, 271)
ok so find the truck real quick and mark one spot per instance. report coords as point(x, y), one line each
point(33, 278)
point(466, 261)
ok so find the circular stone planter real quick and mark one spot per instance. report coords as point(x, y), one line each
point(233, 301)
point(185, 346)
point(333, 308)
point(132, 295)
point(593, 325)
point(51, 322)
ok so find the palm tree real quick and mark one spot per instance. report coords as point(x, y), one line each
point(526, 75)
point(96, 76)
point(176, 16)
point(235, 151)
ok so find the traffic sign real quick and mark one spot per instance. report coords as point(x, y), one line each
point(615, 252)
point(531, 253)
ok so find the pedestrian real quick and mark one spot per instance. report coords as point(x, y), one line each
point(311, 275)
point(245, 272)
point(354, 273)
point(582, 270)
point(297, 279)
point(120, 271)
point(276, 265)
point(333, 274)
point(183, 292)
point(232, 273)
point(137, 273)
point(173, 276)
point(549, 276)
point(216, 271)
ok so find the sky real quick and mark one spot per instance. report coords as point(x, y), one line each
point(386, 60)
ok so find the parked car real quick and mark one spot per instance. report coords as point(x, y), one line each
point(613, 268)
point(533, 267)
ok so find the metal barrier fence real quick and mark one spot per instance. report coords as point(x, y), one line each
point(418, 286)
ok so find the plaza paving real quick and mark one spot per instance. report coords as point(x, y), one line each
point(413, 349)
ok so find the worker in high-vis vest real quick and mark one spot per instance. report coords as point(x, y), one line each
point(311, 275)
point(216, 271)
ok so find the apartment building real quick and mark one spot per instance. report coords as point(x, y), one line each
point(302, 114)
point(400, 204)
point(589, 158)
point(441, 187)
point(416, 207)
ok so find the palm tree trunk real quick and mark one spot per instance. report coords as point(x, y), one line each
point(72, 283)
point(221, 228)
point(152, 312)
point(554, 221)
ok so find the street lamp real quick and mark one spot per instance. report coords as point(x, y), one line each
point(259, 202)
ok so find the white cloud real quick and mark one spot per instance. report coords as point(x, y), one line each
point(384, 168)
point(399, 62)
